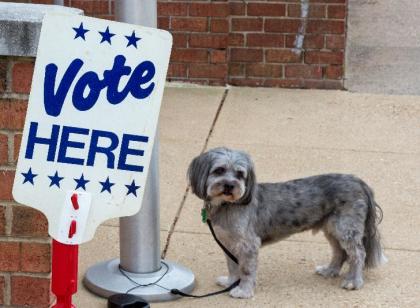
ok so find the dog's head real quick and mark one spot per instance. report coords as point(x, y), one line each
point(223, 175)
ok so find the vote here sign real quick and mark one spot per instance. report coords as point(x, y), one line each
point(91, 121)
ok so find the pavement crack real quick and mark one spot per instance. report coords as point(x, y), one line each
point(187, 190)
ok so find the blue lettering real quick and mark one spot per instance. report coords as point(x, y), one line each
point(95, 148)
point(112, 79)
point(53, 102)
point(125, 151)
point(66, 143)
point(33, 139)
point(141, 75)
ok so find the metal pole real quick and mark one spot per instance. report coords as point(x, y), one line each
point(59, 2)
point(139, 234)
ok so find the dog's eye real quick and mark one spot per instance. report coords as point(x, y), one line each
point(219, 171)
point(240, 174)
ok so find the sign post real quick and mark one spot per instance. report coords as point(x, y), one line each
point(89, 130)
point(139, 234)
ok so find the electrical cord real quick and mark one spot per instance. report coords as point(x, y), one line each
point(138, 285)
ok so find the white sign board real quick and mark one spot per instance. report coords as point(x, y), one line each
point(91, 122)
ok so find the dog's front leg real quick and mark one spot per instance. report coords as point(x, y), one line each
point(247, 270)
point(226, 281)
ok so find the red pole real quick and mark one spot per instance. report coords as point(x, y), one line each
point(64, 273)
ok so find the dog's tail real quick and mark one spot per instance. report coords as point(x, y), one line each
point(372, 239)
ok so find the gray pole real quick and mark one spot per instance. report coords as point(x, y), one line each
point(142, 230)
point(59, 2)
point(139, 234)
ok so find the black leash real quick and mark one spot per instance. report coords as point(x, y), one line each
point(231, 256)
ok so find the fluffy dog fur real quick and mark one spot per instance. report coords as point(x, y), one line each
point(247, 215)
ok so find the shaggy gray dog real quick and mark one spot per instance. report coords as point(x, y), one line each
point(247, 215)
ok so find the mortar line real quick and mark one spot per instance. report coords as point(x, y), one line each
point(187, 190)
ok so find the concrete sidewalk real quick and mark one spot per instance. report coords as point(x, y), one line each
point(290, 134)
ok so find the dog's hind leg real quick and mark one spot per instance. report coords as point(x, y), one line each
point(349, 230)
point(226, 281)
point(337, 260)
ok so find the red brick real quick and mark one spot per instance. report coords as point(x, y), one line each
point(2, 220)
point(236, 8)
point(3, 75)
point(236, 69)
point(217, 82)
point(327, 1)
point(9, 256)
point(265, 40)
point(264, 70)
point(325, 26)
point(209, 9)
point(236, 39)
point(12, 114)
point(334, 72)
point(309, 41)
point(247, 24)
point(180, 39)
point(172, 8)
point(35, 258)
point(303, 71)
point(335, 42)
point(315, 11)
point(242, 82)
point(189, 55)
point(323, 84)
point(30, 291)
point(163, 23)
point(282, 25)
point(246, 55)
point(324, 57)
point(4, 149)
point(337, 11)
point(219, 25)
point(92, 7)
point(282, 56)
point(266, 9)
point(218, 56)
point(189, 24)
point(17, 140)
point(2, 290)
point(177, 70)
point(22, 77)
point(6, 183)
point(208, 70)
point(208, 40)
point(284, 83)
point(29, 222)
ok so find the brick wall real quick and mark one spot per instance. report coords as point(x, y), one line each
point(25, 250)
point(249, 43)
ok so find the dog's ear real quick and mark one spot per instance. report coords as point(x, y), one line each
point(250, 183)
point(198, 171)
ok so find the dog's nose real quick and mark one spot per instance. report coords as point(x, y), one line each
point(228, 188)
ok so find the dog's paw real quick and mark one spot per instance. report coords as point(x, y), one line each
point(238, 292)
point(224, 281)
point(352, 284)
point(326, 271)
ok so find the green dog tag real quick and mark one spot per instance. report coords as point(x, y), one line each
point(203, 215)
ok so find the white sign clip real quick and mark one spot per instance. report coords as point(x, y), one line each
point(74, 217)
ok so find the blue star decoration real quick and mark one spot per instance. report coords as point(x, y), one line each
point(80, 32)
point(132, 188)
point(132, 39)
point(29, 176)
point(81, 182)
point(106, 36)
point(55, 179)
point(106, 186)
